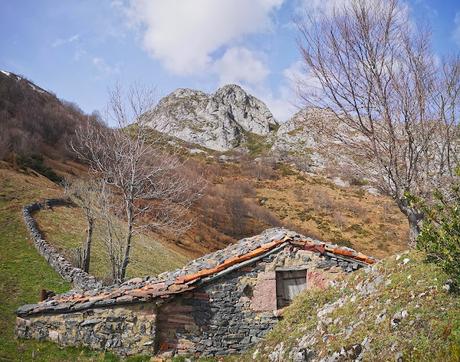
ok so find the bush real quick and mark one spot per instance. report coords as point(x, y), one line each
point(35, 162)
point(440, 234)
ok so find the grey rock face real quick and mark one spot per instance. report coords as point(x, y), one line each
point(296, 138)
point(217, 121)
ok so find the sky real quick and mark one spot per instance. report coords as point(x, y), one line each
point(78, 49)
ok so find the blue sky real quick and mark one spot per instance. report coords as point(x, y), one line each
point(79, 48)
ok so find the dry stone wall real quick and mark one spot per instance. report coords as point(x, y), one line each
point(79, 278)
point(124, 329)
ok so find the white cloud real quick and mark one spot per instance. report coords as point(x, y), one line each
point(282, 105)
point(58, 42)
point(286, 101)
point(240, 65)
point(315, 8)
point(207, 37)
point(184, 34)
point(302, 80)
point(456, 33)
point(104, 67)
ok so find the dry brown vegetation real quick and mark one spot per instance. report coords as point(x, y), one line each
point(237, 204)
point(242, 198)
point(346, 216)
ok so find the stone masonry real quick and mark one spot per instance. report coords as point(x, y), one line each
point(124, 330)
point(221, 303)
point(79, 278)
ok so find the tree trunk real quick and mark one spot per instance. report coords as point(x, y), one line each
point(124, 265)
point(126, 257)
point(414, 217)
point(415, 221)
point(87, 249)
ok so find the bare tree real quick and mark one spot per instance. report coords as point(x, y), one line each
point(84, 193)
point(112, 235)
point(138, 164)
point(395, 113)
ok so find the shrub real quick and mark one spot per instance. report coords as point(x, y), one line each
point(440, 234)
point(285, 170)
point(262, 169)
point(35, 162)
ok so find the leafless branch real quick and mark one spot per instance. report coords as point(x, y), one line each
point(394, 109)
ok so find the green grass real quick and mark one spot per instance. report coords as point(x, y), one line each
point(64, 227)
point(430, 332)
point(257, 145)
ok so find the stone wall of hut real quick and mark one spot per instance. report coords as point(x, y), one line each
point(125, 330)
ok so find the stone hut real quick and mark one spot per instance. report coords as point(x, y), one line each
point(221, 303)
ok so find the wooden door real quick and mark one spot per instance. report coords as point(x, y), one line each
point(289, 283)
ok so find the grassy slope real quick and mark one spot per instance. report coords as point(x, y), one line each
point(65, 228)
point(430, 332)
point(310, 204)
point(351, 217)
point(23, 272)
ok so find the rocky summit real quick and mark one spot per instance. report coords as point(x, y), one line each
point(219, 121)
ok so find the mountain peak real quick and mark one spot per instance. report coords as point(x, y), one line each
point(186, 92)
point(218, 121)
point(231, 88)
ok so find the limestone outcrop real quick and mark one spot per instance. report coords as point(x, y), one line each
point(299, 137)
point(218, 121)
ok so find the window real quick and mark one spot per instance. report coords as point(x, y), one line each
point(289, 283)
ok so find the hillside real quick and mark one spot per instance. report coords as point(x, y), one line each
point(399, 310)
point(224, 181)
point(24, 272)
point(347, 216)
point(247, 192)
point(33, 121)
point(295, 139)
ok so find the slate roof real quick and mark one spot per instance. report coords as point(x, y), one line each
point(192, 275)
